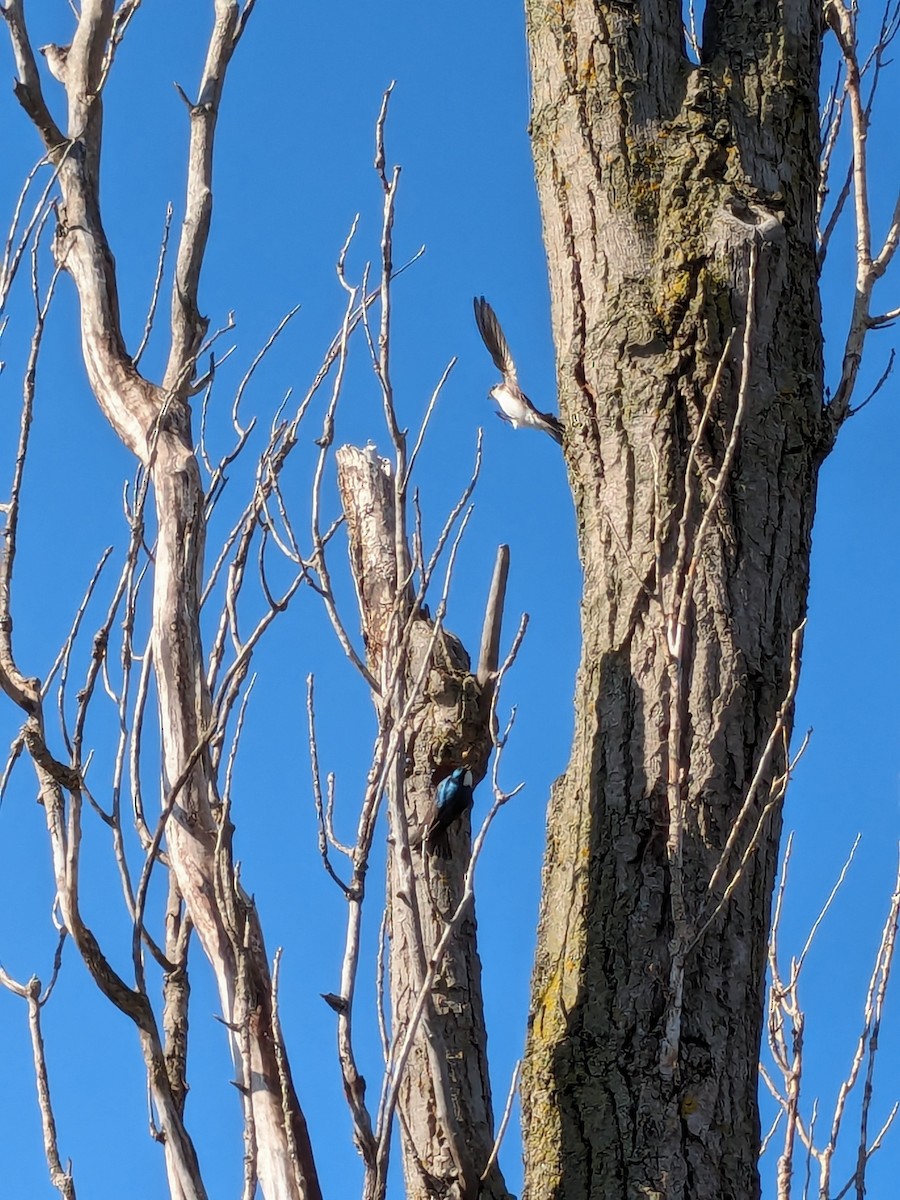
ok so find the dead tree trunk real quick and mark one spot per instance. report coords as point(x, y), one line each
point(679, 215)
point(439, 715)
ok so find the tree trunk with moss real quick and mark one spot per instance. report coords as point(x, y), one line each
point(679, 212)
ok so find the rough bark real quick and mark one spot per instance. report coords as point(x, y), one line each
point(665, 187)
point(444, 1099)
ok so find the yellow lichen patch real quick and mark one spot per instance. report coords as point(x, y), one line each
point(587, 73)
point(678, 287)
point(549, 1005)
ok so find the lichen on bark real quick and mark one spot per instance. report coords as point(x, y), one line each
point(661, 181)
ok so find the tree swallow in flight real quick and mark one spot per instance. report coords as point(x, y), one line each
point(515, 406)
point(453, 797)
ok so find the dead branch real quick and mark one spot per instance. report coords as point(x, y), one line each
point(409, 648)
point(188, 327)
point(157, 285)
point(489, 655)
point(326, 836)
point(154, 422)
point(870, 265)
point(504, 1120)
point(60, 1177)
point(785, 1026)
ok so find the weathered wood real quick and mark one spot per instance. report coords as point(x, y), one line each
point(446, 1119)
point(489, 654)
point(154, 422)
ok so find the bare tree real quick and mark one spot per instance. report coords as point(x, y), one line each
point(686, 215)
point(434, 714)
point(153, 419)
point(785, 1025)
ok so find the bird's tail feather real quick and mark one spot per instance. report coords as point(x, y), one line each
point(438, 843)
point(552, 425)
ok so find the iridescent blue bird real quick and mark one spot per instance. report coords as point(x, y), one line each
point(452, 799)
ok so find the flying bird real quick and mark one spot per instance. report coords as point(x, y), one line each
point(515, 406)
point(453, 797)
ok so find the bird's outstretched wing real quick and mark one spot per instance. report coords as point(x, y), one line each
point(492, 336)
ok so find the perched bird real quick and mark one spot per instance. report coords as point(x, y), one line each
point(453, 797)
point(56, 60)
point(515, 406)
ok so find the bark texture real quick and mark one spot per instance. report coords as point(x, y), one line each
point(665, 188)
point(439, 713)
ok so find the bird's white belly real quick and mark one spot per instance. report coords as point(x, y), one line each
point(512, 405)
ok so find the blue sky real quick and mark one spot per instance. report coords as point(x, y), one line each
point(294, 166)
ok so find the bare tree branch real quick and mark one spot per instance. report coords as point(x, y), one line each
point(60, 1177)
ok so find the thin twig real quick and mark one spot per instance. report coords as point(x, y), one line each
point(504, 1120)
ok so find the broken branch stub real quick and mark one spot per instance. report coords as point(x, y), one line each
point(436, 708)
